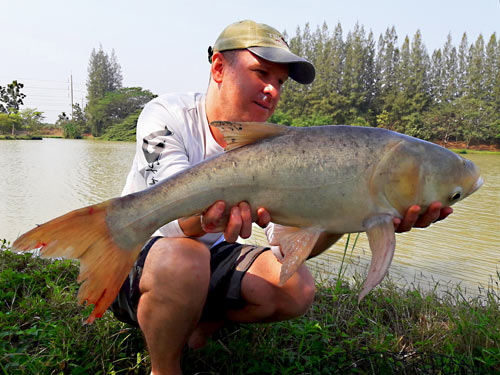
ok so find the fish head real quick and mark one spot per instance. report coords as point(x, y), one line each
point(450, 179)
point(419, 173)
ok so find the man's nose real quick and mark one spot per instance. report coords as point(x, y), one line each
point(272, 90)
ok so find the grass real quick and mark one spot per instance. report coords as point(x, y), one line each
point(20, 137)
point(468, 151)
point(393, 331)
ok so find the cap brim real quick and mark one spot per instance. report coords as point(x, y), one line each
point(300, 69)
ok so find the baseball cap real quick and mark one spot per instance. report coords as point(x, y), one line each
point(265, 42)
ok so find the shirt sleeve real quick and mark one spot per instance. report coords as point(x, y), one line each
point(160, 144)
point(161, 151)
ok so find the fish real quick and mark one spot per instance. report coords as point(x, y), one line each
point(337, 178)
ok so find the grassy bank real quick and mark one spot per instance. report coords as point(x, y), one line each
point(24, 137)
point(468, 151)
point(391, 331)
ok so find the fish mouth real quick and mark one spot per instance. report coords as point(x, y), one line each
point(477, 185)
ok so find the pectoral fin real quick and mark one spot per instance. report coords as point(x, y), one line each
point(296, 244)
point(382, 240)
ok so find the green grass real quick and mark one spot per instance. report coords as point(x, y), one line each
point(20, 137)
point(392, 331)
point(467, 151)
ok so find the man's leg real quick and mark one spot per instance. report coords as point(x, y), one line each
point(268, 302)
point(174, 286)
point(265, 301)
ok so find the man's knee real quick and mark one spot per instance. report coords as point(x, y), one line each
point(260, 287)
point(297, 297)
point(176, 265)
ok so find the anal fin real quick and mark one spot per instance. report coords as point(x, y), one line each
point(296, 244)
point(382, 240)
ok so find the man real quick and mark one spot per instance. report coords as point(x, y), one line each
point(188, 280)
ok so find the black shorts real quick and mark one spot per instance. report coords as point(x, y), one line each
point(228, 264)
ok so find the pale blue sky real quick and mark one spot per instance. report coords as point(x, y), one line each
point(161, 45)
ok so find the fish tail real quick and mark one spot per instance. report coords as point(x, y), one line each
point(83, 234)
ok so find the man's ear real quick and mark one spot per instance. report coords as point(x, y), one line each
point(218, 66)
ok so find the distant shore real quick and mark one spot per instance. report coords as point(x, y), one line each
point(458, 147)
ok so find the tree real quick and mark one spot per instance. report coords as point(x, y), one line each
point(358, 74)
point(104, 76)
point(414, 96)
point(62, 118)
point(386, 78)
point(11, 98)
point(450, 72)
point(463, 63)
point(5, 123)
point(79, 119)
point(115, 106)
point(31, 119)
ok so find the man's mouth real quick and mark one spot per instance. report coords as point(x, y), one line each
point(263, 105)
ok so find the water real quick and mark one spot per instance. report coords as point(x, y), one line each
point(44, 179)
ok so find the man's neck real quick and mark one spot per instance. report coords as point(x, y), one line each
point(211, 112)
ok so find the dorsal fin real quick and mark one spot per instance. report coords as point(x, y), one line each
point(237, 134)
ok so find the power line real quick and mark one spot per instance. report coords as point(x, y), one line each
point(45, 96)
point(51, 88)
point(41, 80)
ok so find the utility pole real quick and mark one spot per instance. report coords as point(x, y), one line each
point(71, 86)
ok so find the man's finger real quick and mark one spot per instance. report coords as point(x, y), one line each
point(210, 219)
point(263, 217)
point(246, 220)
point(233, 227)
point(445, 212)
point(430, 216)
point(409, 219)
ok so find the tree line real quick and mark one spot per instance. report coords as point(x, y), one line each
point(111, 111)
point(452, 94)
point(11, 118)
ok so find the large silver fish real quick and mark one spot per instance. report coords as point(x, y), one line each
point(339, 179)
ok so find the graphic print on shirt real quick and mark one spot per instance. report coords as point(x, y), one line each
point(156, 144)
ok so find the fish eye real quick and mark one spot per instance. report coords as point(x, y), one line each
point(457, 194)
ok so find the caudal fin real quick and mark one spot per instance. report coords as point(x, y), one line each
point(83, 234)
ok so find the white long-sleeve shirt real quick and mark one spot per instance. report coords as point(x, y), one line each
point(173, 134)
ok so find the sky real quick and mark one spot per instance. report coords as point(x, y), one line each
point(162, 45)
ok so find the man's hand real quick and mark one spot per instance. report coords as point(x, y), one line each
point(412, 219)
point(239, 222)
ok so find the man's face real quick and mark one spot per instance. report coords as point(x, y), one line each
point(251, 87)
